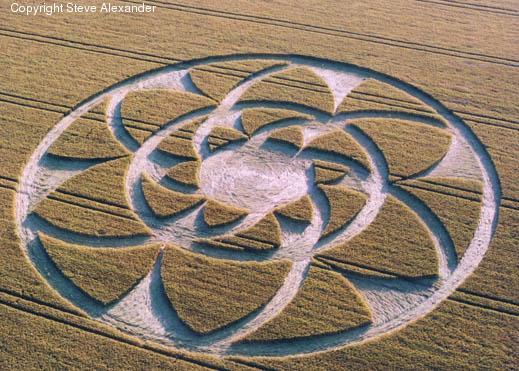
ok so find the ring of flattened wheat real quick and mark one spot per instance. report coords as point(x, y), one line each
point(293, 158)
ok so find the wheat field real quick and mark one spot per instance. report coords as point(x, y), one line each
point(296, 186)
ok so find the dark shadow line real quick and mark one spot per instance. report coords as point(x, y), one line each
point(93, 208)
point(475, 7)
point(320, 29)
point(120, 339)
point(484, 307)
point(417, 109)
point(40, 224)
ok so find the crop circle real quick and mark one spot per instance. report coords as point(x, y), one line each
point(324, 168)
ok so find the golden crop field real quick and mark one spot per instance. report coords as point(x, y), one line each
point(259, 185)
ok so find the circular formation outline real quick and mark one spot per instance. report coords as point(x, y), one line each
point(451, 277)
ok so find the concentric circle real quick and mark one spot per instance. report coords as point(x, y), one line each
point(333, 183)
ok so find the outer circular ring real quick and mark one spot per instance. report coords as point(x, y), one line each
point(471, 259)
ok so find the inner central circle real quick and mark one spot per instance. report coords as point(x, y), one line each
point(254, 178)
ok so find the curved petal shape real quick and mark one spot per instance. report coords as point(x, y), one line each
point(292, 135)
point(218, 213)
point(291, 86)
point(326, 303)
point(396, 243)
point(221, 136)
point(103, 273)
point(180, 142)
point(104, 183)
point(94, 203)
point(301, 210)
point(326, 172)
point(209, 294)
point(146, 111)
point(409, 147)
point(459, 215)
point(187, 173)
point(216, 80)
point(88, 138)
point(164, 202)
point(254, 119)
point(263, 236)
point(374, 95)
point(340, 143)
point(344, 204)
